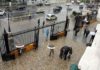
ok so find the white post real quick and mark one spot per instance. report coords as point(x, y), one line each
point(10, 4)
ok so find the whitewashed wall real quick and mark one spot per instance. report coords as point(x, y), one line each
point(91, 57)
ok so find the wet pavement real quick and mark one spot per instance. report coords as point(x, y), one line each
point(40, 60)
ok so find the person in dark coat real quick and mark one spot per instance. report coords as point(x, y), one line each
point(77, 24)
point(86, 32)
point(61, 53)
point(92, 38)
point(65, 52)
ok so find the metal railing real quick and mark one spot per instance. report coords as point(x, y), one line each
point(33, 29)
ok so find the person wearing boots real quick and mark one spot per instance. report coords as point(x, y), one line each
point(86, 31)
point(92, 36)
point(76, 29)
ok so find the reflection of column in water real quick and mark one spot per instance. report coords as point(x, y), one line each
point(47, 33)
point(25, 38)
point(31, 37)
point(1, 29)
point(16, 38)
point(24, 41)
point(58, 27)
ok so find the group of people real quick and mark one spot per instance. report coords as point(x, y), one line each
point(80, 21)
point(83, 22)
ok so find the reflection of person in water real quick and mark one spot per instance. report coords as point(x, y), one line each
point(46, 31)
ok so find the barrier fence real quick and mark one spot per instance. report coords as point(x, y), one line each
point(30, 36)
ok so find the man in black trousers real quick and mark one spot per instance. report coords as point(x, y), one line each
point(76, 29)
point(65, 52)
point(86, 31)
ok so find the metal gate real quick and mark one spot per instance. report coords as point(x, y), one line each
point(31, 35)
